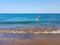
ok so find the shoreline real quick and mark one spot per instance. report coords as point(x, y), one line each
point(27, 31)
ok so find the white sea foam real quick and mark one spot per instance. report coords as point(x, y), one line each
point(52, 32)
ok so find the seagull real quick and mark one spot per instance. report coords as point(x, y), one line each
point(37, 18)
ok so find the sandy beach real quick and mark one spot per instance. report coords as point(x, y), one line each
point(41, 39)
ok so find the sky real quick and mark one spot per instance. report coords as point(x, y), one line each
point(29, 6)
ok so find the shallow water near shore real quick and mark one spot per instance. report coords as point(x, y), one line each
point(30, 39)
point(27, 36)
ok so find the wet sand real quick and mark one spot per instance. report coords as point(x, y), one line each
point(40, 39)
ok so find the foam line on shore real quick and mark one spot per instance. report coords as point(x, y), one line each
point(27, 31)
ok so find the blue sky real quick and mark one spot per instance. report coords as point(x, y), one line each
point(29, 6)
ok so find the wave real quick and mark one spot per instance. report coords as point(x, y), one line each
point(22, 22)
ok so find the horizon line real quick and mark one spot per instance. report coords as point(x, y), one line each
point(29, 13)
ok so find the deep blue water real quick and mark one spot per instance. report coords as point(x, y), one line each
point(28, 21)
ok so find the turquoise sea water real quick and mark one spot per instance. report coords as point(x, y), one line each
point(28, 21)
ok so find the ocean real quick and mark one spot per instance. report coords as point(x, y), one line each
point(28, 21)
